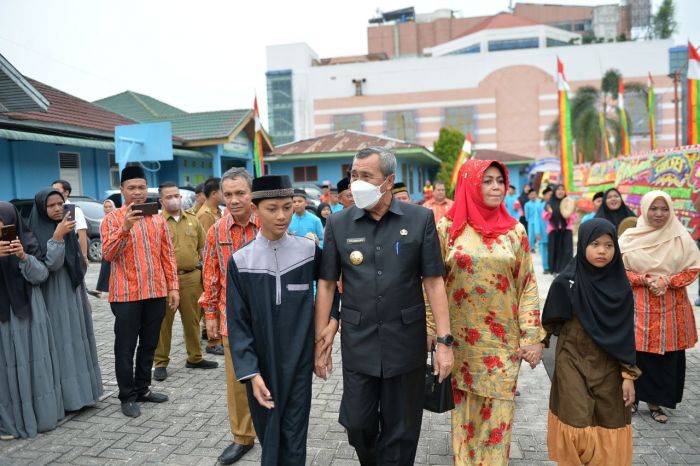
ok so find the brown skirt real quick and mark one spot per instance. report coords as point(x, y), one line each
point(588, 420)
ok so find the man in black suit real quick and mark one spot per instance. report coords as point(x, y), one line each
point(385, 250)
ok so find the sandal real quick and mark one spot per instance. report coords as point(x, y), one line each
point(655, 413)
point(635, 407)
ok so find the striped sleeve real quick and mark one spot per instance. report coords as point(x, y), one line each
point(168, 257)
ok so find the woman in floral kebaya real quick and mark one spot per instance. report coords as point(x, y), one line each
point(494, 312)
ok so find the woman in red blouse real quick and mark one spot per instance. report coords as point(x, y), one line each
point(661, 259)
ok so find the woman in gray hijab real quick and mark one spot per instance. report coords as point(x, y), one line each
point(68, 306)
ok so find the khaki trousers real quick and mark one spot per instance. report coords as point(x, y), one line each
point(238, 410)
point(190, 291)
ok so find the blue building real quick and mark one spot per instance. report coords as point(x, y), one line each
point(46, 134)
point(328, 158)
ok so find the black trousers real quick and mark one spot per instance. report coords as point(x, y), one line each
point(136, 321)
point(383, 416)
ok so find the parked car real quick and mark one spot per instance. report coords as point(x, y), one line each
point(93, 216)
point(188, 196)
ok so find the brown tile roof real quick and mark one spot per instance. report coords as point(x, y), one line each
point(501, 156)
point(65, 109)
point(501, 20)
point(345, 140)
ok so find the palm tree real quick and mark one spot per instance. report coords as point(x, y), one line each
point(585, 128)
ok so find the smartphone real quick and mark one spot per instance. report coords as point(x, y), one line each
point(69, 208)
point(149, 208)
point(8, 233)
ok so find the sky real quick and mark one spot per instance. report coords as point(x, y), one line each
point(207, 54)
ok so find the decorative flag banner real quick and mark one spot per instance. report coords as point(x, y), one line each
point(258, 159)
point(603, 136)
point(624, 128)
point(651, 105)
point(566, 153)
point(693, 95)
point(467, 152)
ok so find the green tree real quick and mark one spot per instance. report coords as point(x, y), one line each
point(663, 22)
point(447, 148)
point(585, 127)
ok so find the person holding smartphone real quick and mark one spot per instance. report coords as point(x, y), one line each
point(64, 187)
point(30, 390)
point(69, 310)
point(143, 277)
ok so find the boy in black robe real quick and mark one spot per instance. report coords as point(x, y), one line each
point(270, 310)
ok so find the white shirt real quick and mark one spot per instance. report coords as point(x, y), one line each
point(80, 222)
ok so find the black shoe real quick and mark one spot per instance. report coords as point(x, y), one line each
point(131, 409)
point(234, 452)
point(152, 397)
point(218, 350)
point(203, 364)
point(160, 374)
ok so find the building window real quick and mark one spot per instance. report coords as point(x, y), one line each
point(556, 43)
point(280, 106)
point(461, 118)
point(345, 170)
point(476, 48)
point(353, 122)
point(69, 170)
point(305, 174)
point(636, 106)
point(114, 177)
point(513, 44)
point(401, 125)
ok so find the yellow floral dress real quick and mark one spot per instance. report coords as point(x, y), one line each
point(494, 310)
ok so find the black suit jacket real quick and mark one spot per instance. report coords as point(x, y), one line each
point(383, 312)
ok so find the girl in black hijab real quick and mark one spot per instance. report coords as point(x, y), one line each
point(613, 209)
point(590, 307)
point(30, 391)
point(68, 305)
point(319, 212)
point(559, 232)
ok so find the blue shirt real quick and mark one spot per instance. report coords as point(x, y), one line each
point(336, 208)
point(510, 206)
point(307, 223)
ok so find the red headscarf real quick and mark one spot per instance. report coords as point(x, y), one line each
point(469, 204)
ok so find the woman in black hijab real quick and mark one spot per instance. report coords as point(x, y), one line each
point(30, 390)
point(68, 305)
point(323, 211)
point(559, 232)
point(590, 307)
point(613, 209)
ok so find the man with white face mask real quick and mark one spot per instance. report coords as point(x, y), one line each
point(188, 240)
point(386, 251)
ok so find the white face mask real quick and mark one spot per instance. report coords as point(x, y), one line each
point(366, 195)
point(173, 205)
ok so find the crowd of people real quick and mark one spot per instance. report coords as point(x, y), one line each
point(268, 285)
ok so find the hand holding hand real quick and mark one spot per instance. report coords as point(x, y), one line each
point(64, 227)
point(628, 395)
point(532, 354)
point(261, 393)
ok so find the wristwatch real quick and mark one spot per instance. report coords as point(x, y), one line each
point(447, 340)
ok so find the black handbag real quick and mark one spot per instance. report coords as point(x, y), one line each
point(438, 395)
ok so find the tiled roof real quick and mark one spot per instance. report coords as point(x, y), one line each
point(138, 107)
point(501, 156)
point(501, 21)
point(65, 109)
point(345, 140)
point(207, 125)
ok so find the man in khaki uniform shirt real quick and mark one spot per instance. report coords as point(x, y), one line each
point(188, 240)
point(207, 215)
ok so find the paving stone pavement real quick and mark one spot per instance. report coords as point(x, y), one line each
point(193, 428)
